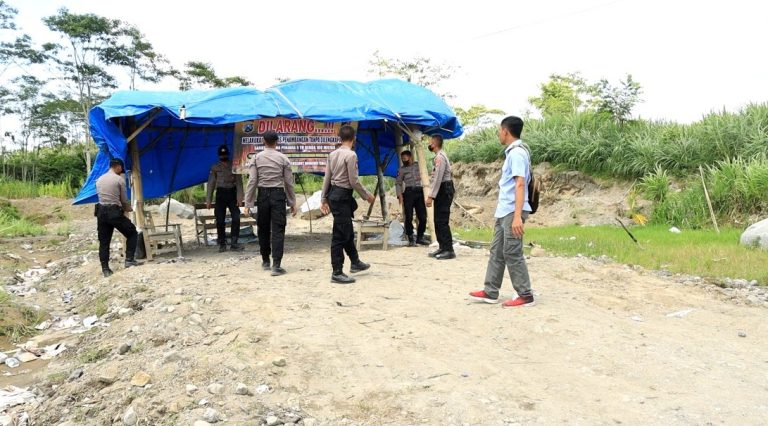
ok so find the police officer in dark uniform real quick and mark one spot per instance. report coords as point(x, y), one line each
point(341, 180)
point(229, 195)
point(110, 215)
point(270, 172)
point(442, 195)
point(411, 195)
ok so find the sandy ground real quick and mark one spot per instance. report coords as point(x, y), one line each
point(404, 345)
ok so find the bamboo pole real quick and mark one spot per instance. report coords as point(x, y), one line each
point(137, 186)
point(709, 202)
point(380, 176)
point(415, 137)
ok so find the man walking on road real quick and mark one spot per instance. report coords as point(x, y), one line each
point(411, 197)
point(341, 179)
point(229, 195)
point(110, 215)
point(270, 172)
point(511, 212)
point(441, 194)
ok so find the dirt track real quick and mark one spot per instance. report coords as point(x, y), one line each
point(405, 346)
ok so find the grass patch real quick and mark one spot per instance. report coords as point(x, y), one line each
point(98, 306)
point(57, 378)
point(13, 224)
point(16, 320)
point(93, 355)
point(16, 189)
point(695, 252)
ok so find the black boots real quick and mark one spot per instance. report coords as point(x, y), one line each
point(277, 270)
point(435, 253)
point(445, 255)
point(265, 265)
point(359, 266)
point(105, 270)
point(222, 248)
point(422, 241)
point(411, 241)
point(339, 277)
point(236, 247)
point(130, 262)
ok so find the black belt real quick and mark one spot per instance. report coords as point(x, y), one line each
point(446, 183)
point(271, 189)
point(219, 188)
point(414, 188)
point(339, 188)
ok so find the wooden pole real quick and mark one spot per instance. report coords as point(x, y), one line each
point(137, 186)
point(709, 202)
point(380, 176)
point(415, 136)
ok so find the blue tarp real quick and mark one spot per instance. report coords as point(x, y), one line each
point(176, 154)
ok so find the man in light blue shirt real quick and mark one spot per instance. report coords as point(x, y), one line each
point(511, 212)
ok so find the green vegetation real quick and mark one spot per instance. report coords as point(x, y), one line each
point(12, 224)
point(15, 189)
point(16, 320)
point(696, 252)
point(92, 355)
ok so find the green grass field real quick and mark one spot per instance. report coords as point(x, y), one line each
point(695, 252)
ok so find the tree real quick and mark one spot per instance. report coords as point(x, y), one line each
point(56, 121)
point(202, 75)
point(562, 95)
point(417, 70)
point(475, 114)
point(92, 40)
point(617, 101)
point(7, 16)
point(137, 56)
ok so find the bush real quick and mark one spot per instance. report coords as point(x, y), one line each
point(12, 224)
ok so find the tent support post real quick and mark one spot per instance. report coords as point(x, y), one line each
point(415, 136)
point(380, 176)
point(137, 187)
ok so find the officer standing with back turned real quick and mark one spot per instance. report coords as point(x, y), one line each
point(229, 195)
point(411, 195)
point(270, 172)
point(110, 215)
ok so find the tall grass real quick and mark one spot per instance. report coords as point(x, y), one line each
point(596, 144)
point(15, 189)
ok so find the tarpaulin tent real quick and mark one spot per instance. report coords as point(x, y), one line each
point(176, 146)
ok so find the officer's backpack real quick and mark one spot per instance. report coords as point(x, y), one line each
point(534, 185)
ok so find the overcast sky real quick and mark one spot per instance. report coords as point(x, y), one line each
point(691, 57)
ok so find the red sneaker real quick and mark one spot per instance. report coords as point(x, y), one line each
point(480, 296)
point(519, 302)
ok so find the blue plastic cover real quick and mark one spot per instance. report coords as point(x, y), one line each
point(176, 154)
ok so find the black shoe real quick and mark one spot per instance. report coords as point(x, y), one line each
point(422, 241)
point(236, 247)
point(222, 249)
point(341, 278)
point(446, 255)
point(277, 271)
point(435, 253)
point(107, 272)
point(359, 266)
point(411, 241)
point(131, 262)
point(266, 266)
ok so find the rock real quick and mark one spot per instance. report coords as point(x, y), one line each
point(219, 330)
point(75, 374)
point(141, 379)
point(742, 334)
point(272, 420)
point(756, 235)
point(215, 388)
point(130, 418)
point(538, 252)
point(260, 389)
point(191, 389)
point(109, 375)
point(124, 348)
point(675, 230)
point(279, 362)
point(208, 300)
point(311, 208)
point(184, 211)
point(170, 309)
point(196, 319)
point(242, 389)
point(26, 356)
point(124, 312)
point(211, 416)
point(172, 356)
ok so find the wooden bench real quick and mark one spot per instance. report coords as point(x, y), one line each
point(368, 227)
point(161, 239)
point(205, 220)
